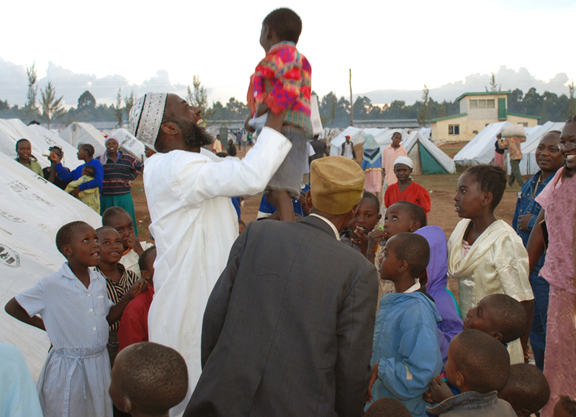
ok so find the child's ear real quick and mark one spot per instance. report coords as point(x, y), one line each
point(488, 197)
point(67, 251)
point(496, 335)
point(415, 226)
point(145, 274)
point(127, 405)
point(460, 380)
point(402, 266)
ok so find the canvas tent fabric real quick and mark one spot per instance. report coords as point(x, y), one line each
point(480, 150)
point(356, 137)
point(315, 116)
point(427, 157)
point(128, 143)
point(31, 213)
point(12, 130)
point(78, 133)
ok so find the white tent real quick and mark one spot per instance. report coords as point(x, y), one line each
point(130, 144)
point(427, 157)
point(12, 130)
point(31, 212)
point(356, 137)
point(480, 150)
point(315, 116)
point(78, 133)
point(528, 166)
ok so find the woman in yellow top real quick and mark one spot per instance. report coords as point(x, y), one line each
point(25, 157)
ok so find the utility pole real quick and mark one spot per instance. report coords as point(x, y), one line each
point(351, 102)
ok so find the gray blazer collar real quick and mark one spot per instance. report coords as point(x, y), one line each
point(319, 223)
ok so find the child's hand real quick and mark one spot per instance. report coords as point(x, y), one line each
point(133, 242)
point(373, 379)
point(437, 392)
point(374, 238)
point(360, 238)
point(247, 125)
point(138, 287)
point(75, 192)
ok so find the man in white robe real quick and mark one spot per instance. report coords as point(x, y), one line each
point(194, 223)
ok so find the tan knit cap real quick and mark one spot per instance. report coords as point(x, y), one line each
point(336, 184)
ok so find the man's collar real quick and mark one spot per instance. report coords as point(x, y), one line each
point(329, 223)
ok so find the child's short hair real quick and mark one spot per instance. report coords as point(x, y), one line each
point(415, 212)
point(88, 148)
point(89, 170)
point(153, 376)
point(104, 228)
point(489, 178)
point(483, 360)
point(413, 249)
point(527, 388)
point(387, 407)
point(111, 212)
point(64, 235)
point(143, 260)
point(369, 196)
point(512, 319)
point(565, 402)
point(286, 24)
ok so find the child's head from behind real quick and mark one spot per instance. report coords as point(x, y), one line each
point(110, 244)
point(146, 264)
point(565, 407)
point(387, 407)
point(406, 256)
point(480, 189)
point(527, 390)
point(149, 378)
point(403, 217)
point(89, 171)
point(280, 25)
point(119, 219)
point(78, 242)
point(368, 213)
point(499, 316)
point(477, 362)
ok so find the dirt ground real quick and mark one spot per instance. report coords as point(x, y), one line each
point(441, 188)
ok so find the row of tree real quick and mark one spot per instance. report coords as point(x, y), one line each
point(334, 111)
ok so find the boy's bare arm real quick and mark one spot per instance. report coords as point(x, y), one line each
point(117, 309)
point(262, 109)
point(15, 310)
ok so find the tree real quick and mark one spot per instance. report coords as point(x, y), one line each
point(86, 101)
point(31, 107)
point(129, 103)
point(493, 85)
point(423, 112)
point(52, 107)
point(571, 99)
point(199, 98)
point(118, 112)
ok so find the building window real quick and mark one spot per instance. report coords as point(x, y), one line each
point(483, 104)
point(453, 129)
point(523, 124)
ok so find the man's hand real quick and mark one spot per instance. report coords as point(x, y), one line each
point(437, 392)
point(523, 221)
point(75, 192)
point(247, 125)
point(373, 379)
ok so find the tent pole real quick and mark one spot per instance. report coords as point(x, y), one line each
point(351, 102)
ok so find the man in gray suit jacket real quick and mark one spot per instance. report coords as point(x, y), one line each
point(288, 327)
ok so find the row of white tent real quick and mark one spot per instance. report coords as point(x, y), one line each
point(12, 130)
point(427, 157)
point(480, 150)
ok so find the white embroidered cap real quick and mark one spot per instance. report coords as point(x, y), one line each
point(146, 117)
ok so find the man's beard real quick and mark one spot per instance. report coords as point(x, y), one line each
point(194, 136)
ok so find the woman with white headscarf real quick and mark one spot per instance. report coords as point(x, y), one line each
point(119, 170)
point(406, 189)
point(372, 166)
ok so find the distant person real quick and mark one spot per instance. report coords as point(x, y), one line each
point(406, 189)
point(311, 153)
point(320, 147)
point(120, 169)
point(372, 166)
point(50, 173)
point(389, 156)
point(550, 159)
point(347, 150)
point(90, 196)
point(25, 157)
point(511, 138)
point(231, 148)
point(239, 139)
point(499, 154)
point(217, 145)
point(86, 154)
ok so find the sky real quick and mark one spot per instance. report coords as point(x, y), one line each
point(160, 46)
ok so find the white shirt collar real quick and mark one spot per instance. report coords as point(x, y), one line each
point(329, 224)
point(414, 287)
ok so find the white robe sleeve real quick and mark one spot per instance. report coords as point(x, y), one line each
point(203, 179)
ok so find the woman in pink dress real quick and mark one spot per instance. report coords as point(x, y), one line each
point(558, 201)
point(372, 166)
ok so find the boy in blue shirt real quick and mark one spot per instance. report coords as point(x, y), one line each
point(406, 351)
